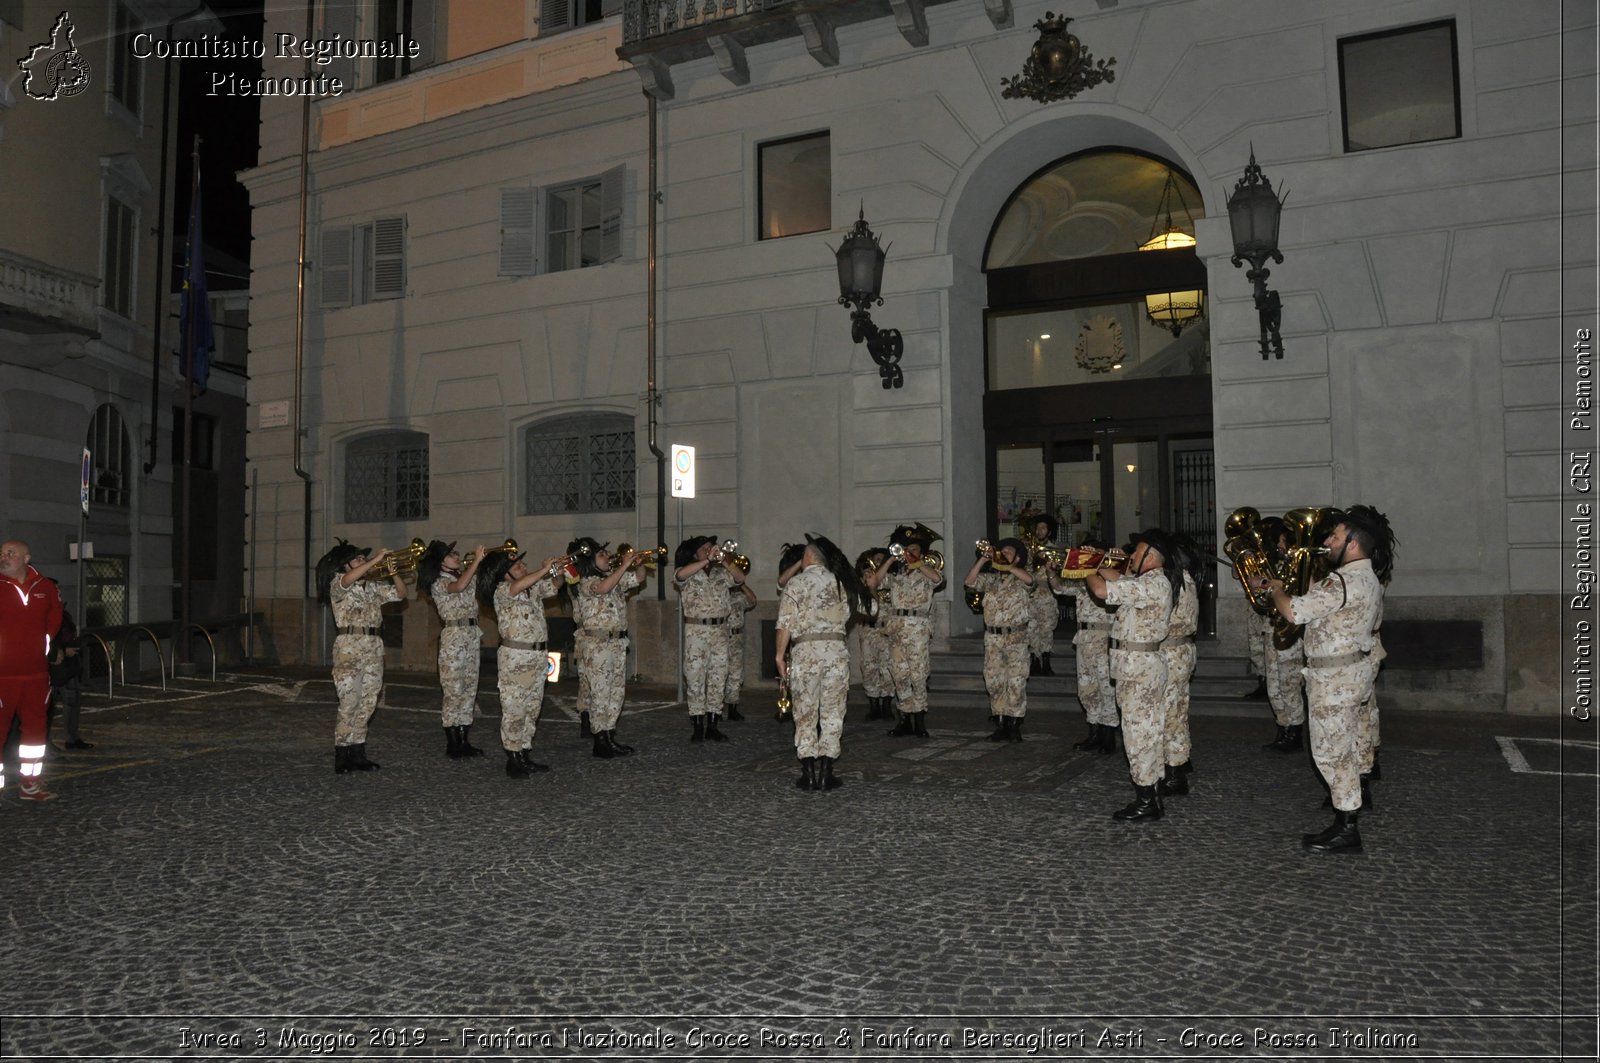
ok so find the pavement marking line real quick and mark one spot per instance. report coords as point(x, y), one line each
point(130, 764)
point(1519, 763)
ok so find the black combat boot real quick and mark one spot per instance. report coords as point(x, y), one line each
point(1173, 783)
point(452, 743)
point(1002, 729)
point(711, 728)
point(808, 772)
point(1108, 737)
point(1033, 665)
point(514, 765)
point(1374, 775)
point(1290, 740)
point(341, 760)
point(699, 728)
point(358, 758)
point(1090, 740)
point(602, 748)
point(467, 748)
point(1340, 837)
point(1146, 805)
point(585, 728)
point(1260, 691)
point(904, 727)
point(1044, 665)
point(532, 765)
point(1016, 729)
point(733, 711)
point(619, 748)
point(826, 779)
point(919, 724)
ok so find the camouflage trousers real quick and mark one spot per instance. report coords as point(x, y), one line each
point(458, 674)
point(908, 662)
point(602, 679)
point(522, 675)
point(733, 686)
point(819, 687)
point(1175, 702)
point(1257, 639)
point(1094, 681)
point(1367, 737)
point(358, 677)
point(1285, 672)
point(705, 666)
point(1043, 615)
point(1005, 673)
point(877, 663)
point(1141, 680)
point(1337, 696)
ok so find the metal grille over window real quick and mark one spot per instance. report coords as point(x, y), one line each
point(582, 464)
point(109, 450)
point(105, 592)
point(386, 478)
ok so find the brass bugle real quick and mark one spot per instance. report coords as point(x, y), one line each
point(400, 563)
point(507, 547)
point(654, 557)
point(562, 562)
point(785, 706)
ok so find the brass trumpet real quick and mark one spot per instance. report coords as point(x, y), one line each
point(400, 563)
point(785, 706)
point(561, 563)
point(656, 556)
point(507, 547)
point(729, 551)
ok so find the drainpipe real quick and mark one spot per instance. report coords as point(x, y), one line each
point(308, 594)
point(650, 347)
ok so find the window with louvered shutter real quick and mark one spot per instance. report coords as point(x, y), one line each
point(583, 463)
point(518, 235)
point(388, 258)
point(334, 266)
point(612, 187)
point(554, 16)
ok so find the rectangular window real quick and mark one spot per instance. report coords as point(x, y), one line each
point(558, 15)
point(121, 243)
point(796, 186)
point(583, 464)
point(362, 263)
point(1400, 86)
point(386, 478)
point(414, 20)
point(126, 71)
point(105, 592)
point(205, 434)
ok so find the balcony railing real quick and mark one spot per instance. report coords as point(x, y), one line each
point(44, 296)
point(644, 19)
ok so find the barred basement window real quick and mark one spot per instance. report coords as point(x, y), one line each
point(386, 477)
point(584, 463)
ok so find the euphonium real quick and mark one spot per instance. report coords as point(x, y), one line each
point(400, 563)
point(1251, 558)
point(934, 560)
point(1304, 564)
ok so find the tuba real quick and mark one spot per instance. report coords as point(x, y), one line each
point(1305, 563)
point(1251, 558)
point(402, 563)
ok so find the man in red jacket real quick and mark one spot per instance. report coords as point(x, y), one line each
point(30, 615)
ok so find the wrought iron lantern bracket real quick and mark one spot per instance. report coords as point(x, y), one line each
point(1254, 211)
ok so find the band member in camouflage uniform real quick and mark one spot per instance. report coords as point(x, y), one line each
point(1145, 594)
point(741, 599)
point(358, 650)
point(448, 585)
point(877, 668)
point(1282, 669)
point(1046, 611)
point(704, 578)
point(909, 585)
point(1179, 653)
point(1007, 606)
point(517, 593)
point(811, 656)
point(600, 607)
point(1341, 617)
point(1092, 643)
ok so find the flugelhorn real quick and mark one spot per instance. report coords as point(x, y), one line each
point(400, 563)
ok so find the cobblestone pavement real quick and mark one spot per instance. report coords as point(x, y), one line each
point(206, 887)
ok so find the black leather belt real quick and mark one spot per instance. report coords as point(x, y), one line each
point(1177, 640)
point(469, 622)
point(514, 644)
point(358, 631)
point(825, 636)
point(1003, 630)
point(603, 635)
point(1135, 647)
point(1094, 627)
point(910, 612)
point(1339, 660)
point(699, 620)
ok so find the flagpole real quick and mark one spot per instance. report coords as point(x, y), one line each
point(194, 287)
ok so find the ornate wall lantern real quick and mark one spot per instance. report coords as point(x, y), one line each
point(1058, 67)
point(1254, 211)
point(860, 260)
point(1172, 310)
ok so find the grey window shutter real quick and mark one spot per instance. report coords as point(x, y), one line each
point(610, 7)
point(341, 17)
point(518, 230)
point(554, 16)
point(388, 258)
point(425, 31)
point(613, 185)
point(333, 266)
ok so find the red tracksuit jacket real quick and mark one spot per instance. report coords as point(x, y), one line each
point(30, 615)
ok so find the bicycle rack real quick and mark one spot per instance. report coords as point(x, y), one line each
point(161, 663)
point(172, 662)
point(105, 648)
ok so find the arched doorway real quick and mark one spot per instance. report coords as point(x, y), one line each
point(1097, 389)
